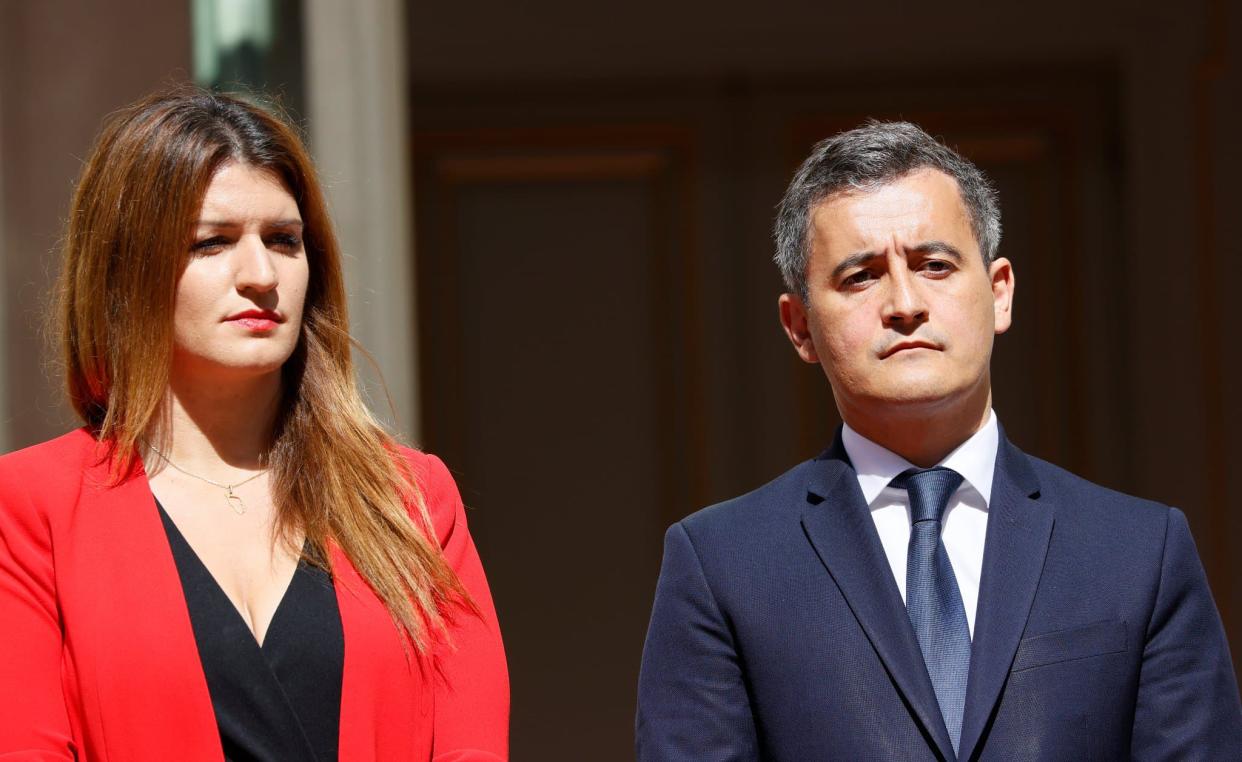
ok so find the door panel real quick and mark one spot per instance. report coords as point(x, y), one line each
point(551, 314)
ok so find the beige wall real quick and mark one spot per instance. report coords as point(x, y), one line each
point(63, 65)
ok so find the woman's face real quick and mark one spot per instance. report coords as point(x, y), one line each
point(239, 299)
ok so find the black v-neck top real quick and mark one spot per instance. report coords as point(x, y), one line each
point(280, 701)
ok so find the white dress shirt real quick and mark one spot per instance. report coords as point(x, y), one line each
point(965, 523)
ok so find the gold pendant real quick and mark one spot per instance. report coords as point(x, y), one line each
point(235, 502)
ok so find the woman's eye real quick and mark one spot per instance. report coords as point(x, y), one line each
point(209, 245)
point(285, 242)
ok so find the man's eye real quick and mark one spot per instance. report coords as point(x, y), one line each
point(937, 266)
point(860, 277)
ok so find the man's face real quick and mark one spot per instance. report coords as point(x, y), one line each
point(900, 310)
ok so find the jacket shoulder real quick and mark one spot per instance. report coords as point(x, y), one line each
point(36, 465)
point(754, 509)
point(1099, 517)
point(1072, 490)
point(40, 485)
point(437, 488)
point(77, 442)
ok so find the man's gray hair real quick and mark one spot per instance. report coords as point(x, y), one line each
point(863, 159)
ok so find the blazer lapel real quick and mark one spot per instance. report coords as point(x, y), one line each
point(151, 689)
point(359, 608)
point(840, 528)
point(386, 692)
point(1019, 527)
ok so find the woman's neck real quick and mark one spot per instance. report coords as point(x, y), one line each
point(213, 423)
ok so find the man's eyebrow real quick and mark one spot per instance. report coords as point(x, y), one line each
point(926, 247)
point(854, 260)
point(937, 247)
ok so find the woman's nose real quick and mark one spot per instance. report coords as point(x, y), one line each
point(255, 269)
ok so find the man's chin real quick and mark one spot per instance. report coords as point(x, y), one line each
point(914, 397)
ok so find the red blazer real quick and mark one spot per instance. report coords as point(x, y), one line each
point(98, 660)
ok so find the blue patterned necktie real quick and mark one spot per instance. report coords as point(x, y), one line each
point(932, 599)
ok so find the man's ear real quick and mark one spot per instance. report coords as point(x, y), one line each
point(1001, 275)
point(793, 319)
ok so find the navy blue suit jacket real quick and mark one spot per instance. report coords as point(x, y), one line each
point(778, 631)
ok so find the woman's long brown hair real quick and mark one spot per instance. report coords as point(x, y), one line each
point(336, 474)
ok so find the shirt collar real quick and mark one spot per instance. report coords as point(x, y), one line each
point(974, 459)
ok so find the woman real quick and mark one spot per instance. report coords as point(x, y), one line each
point(231, 558)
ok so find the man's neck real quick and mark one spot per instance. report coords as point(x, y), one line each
point(921, 437)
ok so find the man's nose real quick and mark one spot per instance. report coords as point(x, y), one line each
point(905, 306)
point(256, 270)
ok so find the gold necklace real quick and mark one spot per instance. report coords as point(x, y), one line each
point(234, 500)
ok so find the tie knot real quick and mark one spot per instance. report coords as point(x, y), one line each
point(929, 490)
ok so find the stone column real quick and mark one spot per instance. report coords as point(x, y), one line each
point(357, 104)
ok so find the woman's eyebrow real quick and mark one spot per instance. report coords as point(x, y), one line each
point(287, 222)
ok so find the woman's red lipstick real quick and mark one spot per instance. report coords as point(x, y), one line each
point(257, 320)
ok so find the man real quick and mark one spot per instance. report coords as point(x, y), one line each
point(923, 589)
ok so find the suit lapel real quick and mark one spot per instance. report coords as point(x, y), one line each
point(840, 528)
point(1019, 527)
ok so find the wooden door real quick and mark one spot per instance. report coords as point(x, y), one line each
point(600, 350)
